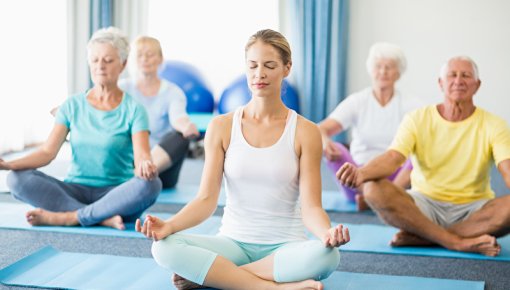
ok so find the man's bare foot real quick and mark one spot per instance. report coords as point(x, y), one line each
point(184, 284)
point(403, 238)
point(485, 244)
point(361, 204)
point(115, 222)
point(41, 217)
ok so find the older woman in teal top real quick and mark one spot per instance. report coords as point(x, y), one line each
point(112, 179)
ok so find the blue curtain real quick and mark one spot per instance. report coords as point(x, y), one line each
point(101, 14)
point(320, 31)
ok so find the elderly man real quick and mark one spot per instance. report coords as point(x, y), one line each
point(453, 145)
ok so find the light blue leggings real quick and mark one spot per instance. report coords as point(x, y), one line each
point(191, 256)
point(94, 204)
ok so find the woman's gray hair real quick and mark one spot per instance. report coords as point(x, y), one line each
point(386, 50)
point(113, 36)
point(444, 67)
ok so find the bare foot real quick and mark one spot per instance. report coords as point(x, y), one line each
point(361, 204)
point(403, 238)
point(303, 285)
point(183, 284)
point(41, 217)
point(486, 245)
point(115, 222)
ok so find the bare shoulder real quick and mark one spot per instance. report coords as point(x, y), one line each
point(219, 130)
point(307, 129)
point(221, 121)
point(308, 136)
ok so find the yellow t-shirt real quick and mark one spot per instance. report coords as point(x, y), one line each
point(452, 160)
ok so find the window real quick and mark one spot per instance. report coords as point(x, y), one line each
point(33, 71)
point(210, 35)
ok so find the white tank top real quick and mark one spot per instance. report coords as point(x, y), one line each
point(262, 204)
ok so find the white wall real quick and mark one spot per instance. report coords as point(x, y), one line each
point(431, 31)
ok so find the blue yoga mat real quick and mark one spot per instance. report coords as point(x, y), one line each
point(51, 268)
point(332, 200)
point(376, 238)
point(355, 281)
point(12, 216)
point(364, 238)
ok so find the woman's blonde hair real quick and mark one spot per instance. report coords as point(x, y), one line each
point(275, 39)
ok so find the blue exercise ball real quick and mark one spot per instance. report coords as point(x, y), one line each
point(237, 94)
point(199, 98)
point(290, 96)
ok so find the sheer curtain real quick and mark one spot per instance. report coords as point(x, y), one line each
point(33, 70)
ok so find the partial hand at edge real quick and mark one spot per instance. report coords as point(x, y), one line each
point(331, 151)
point(4, 165)
point(336, 236)
point(153, 228)
point(191, 131)
point(146, 170)
point(349, 175)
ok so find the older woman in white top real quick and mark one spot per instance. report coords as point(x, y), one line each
point(373, 114)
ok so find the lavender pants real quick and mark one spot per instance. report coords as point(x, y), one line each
point(346, 156)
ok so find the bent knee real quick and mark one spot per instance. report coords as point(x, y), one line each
point(150, 188)
point(372, 190)
point(322, 261)
point(315, 262)
point(154, 186)
point(175, 145)
point(369, 187)
point(168, 252)
point(17, 179)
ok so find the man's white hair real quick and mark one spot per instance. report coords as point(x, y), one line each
point(444, 67)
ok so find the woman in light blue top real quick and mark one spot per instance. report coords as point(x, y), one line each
point(165, 102)
point(112, 179)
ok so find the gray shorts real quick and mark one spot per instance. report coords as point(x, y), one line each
point(442, 213)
